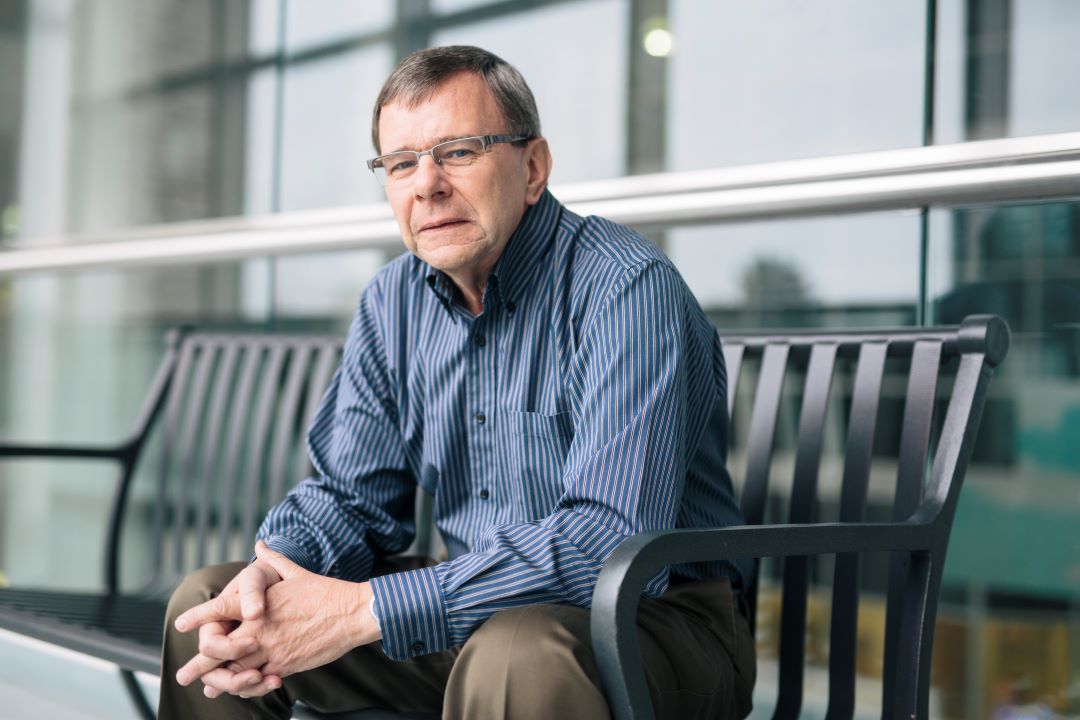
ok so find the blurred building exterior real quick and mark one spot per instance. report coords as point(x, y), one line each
point(117, 114)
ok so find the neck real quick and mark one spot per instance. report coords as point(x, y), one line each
point(471, 289)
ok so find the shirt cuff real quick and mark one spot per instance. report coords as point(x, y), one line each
point(290, 549)
point(412, 613)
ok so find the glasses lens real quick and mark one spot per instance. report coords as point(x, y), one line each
point(398, 166)
point(459, 153)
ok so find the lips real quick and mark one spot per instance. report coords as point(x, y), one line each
point(445, 223)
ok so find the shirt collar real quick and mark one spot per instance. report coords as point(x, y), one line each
point(520, 260)
point(524, 254)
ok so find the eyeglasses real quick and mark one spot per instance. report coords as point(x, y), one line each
point(451, 156)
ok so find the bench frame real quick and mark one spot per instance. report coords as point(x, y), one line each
point(918, 535)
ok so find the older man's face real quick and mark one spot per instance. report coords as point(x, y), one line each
point(459, 223)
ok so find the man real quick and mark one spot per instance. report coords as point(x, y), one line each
point(553, 383)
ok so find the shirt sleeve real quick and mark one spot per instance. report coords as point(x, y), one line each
point(359, 505)
point(623, 475)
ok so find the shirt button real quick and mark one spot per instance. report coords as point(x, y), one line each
point(484, 494)
point(480, 340)
point(417, 646)
point(511, 307)
point(481, 418)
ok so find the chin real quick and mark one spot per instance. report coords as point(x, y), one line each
point(451, 256)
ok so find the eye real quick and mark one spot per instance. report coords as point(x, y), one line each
point(459, 153)
point(399, 165)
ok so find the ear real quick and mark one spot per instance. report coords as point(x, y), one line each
point(538, 168)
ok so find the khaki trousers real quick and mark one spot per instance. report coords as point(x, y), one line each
point(529, 662)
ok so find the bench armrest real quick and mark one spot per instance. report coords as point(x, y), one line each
point(91, 452)
point(638, 558)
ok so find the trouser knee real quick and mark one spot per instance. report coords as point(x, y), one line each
point(533, 661)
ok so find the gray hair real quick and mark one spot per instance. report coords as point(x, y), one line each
point(417, 77)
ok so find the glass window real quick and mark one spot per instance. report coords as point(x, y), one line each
point(145, 121)
point(1003, 69)
point(451, 6)
point(755, 275)
point(580, 86)
point(1044, 62)
point(781, 79)
point(319, 291)
point(312, 23)
point(326, 129)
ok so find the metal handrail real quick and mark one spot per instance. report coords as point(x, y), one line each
point(1029, 169)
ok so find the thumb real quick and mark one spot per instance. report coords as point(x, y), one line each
point(281, 564)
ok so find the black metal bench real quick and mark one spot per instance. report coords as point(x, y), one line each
point(230, 412)
point(942, 365)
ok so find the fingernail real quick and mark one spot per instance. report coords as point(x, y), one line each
point(252, 680)
point(182, 678)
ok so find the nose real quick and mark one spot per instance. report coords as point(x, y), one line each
point(429, 180)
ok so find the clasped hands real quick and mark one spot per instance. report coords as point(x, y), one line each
point(272, 620)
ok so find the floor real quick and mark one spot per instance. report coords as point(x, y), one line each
point(38, 680)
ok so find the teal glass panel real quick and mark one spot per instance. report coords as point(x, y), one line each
point(1013, 570)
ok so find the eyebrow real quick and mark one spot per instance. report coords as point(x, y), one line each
point(438, 140)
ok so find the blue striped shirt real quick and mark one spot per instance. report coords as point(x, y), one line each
point(586, 403)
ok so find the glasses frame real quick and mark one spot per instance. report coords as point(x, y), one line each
point(485, 140)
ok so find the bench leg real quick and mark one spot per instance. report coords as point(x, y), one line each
point(135, 692)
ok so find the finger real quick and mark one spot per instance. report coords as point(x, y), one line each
point(223, 607)
point(281, 564)
point(254, 660)
point(195, 668)
point(269, 684)
point(226, 681)
point(252, 589)
point(216, 642)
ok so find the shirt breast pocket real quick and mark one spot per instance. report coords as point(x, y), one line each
point(535, 449)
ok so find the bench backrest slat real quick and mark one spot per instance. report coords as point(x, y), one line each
point(862, 422)
point(188, 440)
point(214, 445)
point(165, 503)
point(733, 354)
point(328, 355)
point(282, 446)
point(808, 450)
point(762, 431)
point(254, 470)
point(232, 435)
point(238, 423)
point(910, 476)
